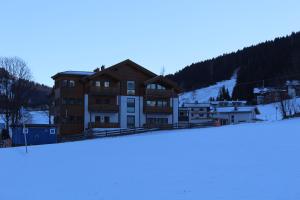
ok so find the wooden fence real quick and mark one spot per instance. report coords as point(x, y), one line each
point(91, 134)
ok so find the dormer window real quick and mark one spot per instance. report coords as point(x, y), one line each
point(106, 84)
point(72, 83)
point(153, 86)
point(68, 83)
point(97, 83)
point(160, 87)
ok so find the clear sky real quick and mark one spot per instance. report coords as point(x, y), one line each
point(58, 35)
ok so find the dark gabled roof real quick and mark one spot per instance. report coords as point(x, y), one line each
point(133, 64)
point(103, 72)
point(73, 73)
point(162, 79)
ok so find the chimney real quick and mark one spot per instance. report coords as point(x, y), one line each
point(102, 67)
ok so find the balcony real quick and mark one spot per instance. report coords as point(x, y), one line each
point(69, 92)
point(103, 125)
point(159, 93)
point(104, 108)
point(157, 110)
point(183, 118)
point(109, 91)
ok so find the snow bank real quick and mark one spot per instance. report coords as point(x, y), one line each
point(246, 161)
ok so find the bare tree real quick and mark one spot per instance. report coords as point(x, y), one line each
point(288, 107)
point(16, 87)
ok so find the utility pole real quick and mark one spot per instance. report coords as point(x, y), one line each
point(25, 131)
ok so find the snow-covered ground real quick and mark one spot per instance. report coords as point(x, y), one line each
point(246, 162)
point(271, 112)
point(34, 117)
point(203, 94)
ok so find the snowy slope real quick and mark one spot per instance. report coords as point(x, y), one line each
point(248, 161)
point(203, 94)
point(270, 113)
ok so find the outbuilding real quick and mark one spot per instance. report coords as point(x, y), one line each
point(35, 134)
point(235, 115)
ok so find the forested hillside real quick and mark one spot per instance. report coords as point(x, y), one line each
point(272, 61)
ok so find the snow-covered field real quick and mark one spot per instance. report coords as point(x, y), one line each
point(203, 94)
point(245, 162)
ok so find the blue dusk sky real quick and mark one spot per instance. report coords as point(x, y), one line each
point(57, 35)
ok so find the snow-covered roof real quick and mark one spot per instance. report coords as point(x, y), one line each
point(266, 90)
point(195, 105)
point(261, 90)
point(235, 109)
point(293, 82)
point(227, 102)
point(80, 73)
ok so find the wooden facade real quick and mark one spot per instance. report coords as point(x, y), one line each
point(103, 89)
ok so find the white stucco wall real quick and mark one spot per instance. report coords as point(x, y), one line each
point(139, 116)
point(175, 105)
point(86, 111)
point(238, 117)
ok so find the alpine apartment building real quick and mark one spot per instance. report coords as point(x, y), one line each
point(125, 95)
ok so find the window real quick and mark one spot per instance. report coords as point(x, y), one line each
point(97, 118)
point(106, 119)
point(25, 131)
point(151, 103)
point(68, 83)
point(106, 84)
point(130, 121)
point(152, 86)
point(157, 121)
point(159, 103)
point(65, 83)
point(52, 131)
point(160, 87)
point(71, 83)
point(130, 105)
point(130, 88)
point(97, 83)
point(165, 104)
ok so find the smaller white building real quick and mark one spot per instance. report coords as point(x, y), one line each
point(194, 113)
point(293, 88)
point(235, 114)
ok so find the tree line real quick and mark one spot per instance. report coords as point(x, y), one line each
point(270, 64)
point(17, 90)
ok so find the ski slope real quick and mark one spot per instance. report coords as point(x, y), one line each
point(203, 94)
point(247, 161)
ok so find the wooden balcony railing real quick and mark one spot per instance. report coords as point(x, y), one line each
point(109, 91)
point(70, 92)
point(104, 108)
point(162, 110)
point(183, 118)
point(103, 125)
point(159, 93)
